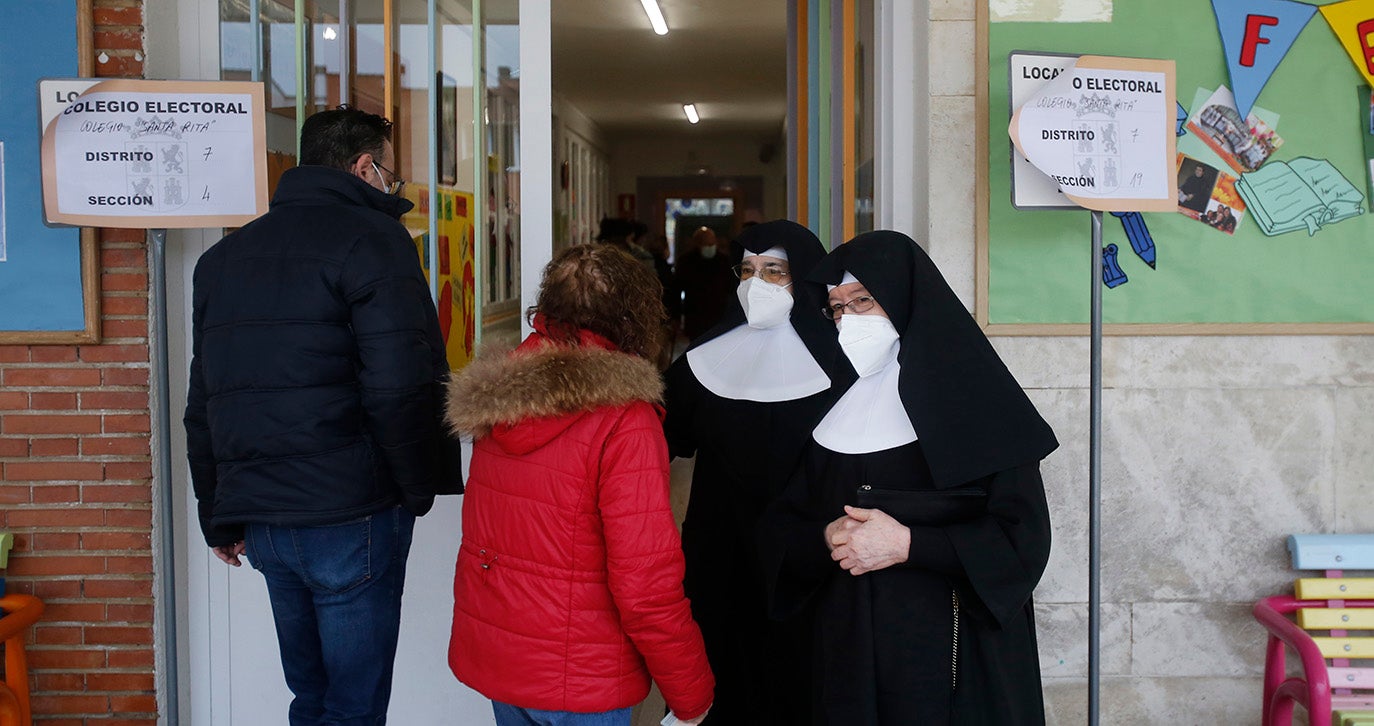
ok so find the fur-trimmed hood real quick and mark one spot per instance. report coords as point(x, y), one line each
point(541, 380)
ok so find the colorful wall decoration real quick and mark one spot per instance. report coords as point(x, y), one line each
point(1273, 228)
point(457, 292)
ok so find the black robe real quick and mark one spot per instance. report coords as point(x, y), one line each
point(744, 451)
point(968, 489)
point(885, 640)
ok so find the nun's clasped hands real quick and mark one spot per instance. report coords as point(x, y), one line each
point(865, 540)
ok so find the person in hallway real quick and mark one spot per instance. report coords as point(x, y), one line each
point(703, 275)
point(743, 400)
point(620, 233)
point(568, 588)
point(657, 245)
point(917, 525)
point(313, 419)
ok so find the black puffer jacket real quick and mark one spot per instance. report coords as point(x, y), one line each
point(317, 364)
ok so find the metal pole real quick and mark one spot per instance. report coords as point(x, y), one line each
point(162, 444)
point(1095, 482)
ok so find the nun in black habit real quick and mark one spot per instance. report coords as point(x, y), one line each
point(916, 526)
point(743, 400)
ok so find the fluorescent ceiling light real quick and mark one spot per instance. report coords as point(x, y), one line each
point(691, 110)
point(655, 16)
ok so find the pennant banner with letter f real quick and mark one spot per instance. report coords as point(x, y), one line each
point(1256, 35)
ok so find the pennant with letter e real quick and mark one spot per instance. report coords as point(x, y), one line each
point(1256, 35)
point(1353, 23)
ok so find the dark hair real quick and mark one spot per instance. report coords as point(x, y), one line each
point(604, 290)
point(337, 137)
point(614, 229)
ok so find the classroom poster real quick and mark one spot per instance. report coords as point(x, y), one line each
point(457, 297)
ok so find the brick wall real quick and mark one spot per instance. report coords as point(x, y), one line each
point(76, 476)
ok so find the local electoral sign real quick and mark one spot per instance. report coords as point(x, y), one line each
point(149, 154)
point(1103, 129)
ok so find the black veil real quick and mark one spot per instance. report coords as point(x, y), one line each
point(970, 414)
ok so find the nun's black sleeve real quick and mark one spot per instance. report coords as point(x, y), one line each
point(796, 560)
point(1003, 553)
point(680, 395)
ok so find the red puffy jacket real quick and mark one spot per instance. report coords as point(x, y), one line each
point(568, 592)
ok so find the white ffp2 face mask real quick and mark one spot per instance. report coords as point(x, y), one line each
point(870, 342)
point(765, 304)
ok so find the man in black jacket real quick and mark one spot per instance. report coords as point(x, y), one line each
point(313, 412)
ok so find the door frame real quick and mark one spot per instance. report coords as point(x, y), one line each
point(186, 34)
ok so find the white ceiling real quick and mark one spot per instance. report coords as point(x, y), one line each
point(727, 56)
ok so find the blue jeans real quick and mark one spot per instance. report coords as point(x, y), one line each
point(508, 715)
point(336, 599)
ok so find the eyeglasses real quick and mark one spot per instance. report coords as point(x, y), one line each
point(858, 305)
point(397, 183)
point(770, 273)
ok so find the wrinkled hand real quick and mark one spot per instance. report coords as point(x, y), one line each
point(839, 531)
point(876, 542)
point(229, 554)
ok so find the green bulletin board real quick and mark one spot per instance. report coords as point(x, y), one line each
point(1034, 265)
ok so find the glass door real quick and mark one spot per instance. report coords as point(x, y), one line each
point(447, 73)
point(457, 140)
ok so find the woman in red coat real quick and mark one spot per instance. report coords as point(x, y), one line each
point(568, 592)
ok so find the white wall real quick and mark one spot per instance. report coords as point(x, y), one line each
point(726, 154)
point(574, 121)
point(1215, 449)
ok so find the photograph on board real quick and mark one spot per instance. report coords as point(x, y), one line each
point(1208, 195)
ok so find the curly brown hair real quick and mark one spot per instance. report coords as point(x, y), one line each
point(602, 289)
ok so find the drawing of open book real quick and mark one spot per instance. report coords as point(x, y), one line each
point(1302, 193)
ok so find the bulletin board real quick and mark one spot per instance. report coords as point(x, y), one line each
point(1034, 266)
point(49, 277)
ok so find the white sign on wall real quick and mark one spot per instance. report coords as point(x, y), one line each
point(148, 154)
point(56, 94)
point(1026, 74)
point(1103, 130)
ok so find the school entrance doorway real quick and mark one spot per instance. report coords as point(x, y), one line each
point(519, 124)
